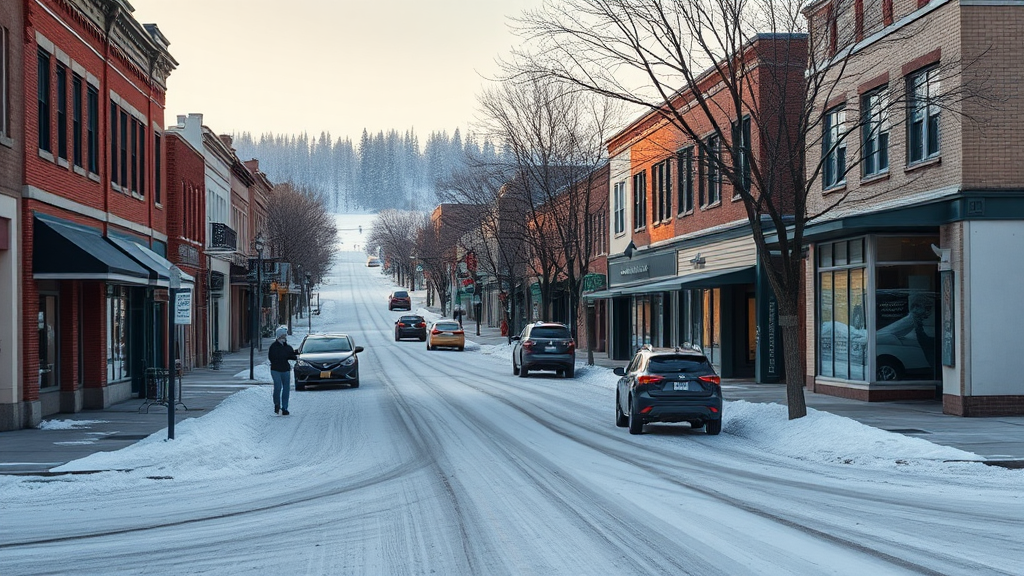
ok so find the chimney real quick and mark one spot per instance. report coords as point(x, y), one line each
point(226, 139)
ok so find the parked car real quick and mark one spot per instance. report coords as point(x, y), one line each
point(399, 299)
point(446, 333)
point(327, 359)
point(544, 346)
point(411, 326)
point(372, 262)
point(669, 385)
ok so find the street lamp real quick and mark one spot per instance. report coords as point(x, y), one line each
point(309, 307)
point(258, 244)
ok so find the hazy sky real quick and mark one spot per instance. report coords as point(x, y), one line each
point(338, 65)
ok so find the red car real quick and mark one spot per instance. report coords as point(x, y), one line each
point(399, 299)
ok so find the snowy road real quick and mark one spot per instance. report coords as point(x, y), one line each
point(444, 463)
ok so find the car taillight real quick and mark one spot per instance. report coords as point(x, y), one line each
point(400, 325)
point(421, 325)
point(650, 380)
point(435, 331)
point(572, 346)
point(528, 344)
point(457, 332)
point(717, 381)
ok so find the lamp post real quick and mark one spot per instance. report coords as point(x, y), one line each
point(258, 244)
point(309, 308)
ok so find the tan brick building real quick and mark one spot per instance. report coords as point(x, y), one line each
point(911, 288)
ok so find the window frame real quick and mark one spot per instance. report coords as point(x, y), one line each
point(619, 207)
point(62, 111)
point(661, 187)
point(43, 99)
point(875, 129)
point(640, 200)
point(711, 183)
point(77, 115)
point(685, 180)
point(92, 128)
point(741, 142)
point(931, 114)
point(833, 154)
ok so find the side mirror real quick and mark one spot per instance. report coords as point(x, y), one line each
point(619, 371)
point(396, 321)
point(358, 349)
point(515, 338)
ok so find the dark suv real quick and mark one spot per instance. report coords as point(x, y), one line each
point(411, 326)
point(399, 299)
point(669, 385)
point(544, 346)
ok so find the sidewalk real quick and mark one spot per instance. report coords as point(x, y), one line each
point(31, 451)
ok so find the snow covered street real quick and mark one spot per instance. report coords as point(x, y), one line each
point(443, 462)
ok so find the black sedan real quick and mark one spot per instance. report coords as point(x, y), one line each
point(411, 326)
point(327, 359)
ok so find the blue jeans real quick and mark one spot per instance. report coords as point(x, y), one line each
point(282, 386)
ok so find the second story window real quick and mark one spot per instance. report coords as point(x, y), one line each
point(833, 149)
point(640, 200)
point(922, 115)
point(158, 168)
point(712, 171)
point(684, 160)
point(62, 111)
point(741, 141)
point(875, 132)
point(4, 88)
point(77, 108)
point(92, 138)
point(43, 98)
point(661, 187)
point(619, 207)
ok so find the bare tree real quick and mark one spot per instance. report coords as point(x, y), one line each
point(395, 232)
point(554, 134)
point(301, 229)
point(658, 55)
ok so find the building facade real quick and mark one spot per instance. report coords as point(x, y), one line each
point(93, 240)
point(910, 270)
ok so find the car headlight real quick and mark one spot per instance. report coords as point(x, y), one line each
point(302, 363)
point(348, 361)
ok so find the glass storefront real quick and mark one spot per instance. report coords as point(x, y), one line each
point(118, 366)
point(48, 354)
point(903, 327)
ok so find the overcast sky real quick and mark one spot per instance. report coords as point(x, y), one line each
point(339, 65)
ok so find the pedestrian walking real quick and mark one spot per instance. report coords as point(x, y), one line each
point(280, 370)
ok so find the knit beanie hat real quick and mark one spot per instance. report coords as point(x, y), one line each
point(281, 331)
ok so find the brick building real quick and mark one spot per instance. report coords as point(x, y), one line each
point(912, 269)
point(682, 263)
point(12, 98)
point(93, 217)
point(186, 232)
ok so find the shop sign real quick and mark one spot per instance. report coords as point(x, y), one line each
point(661, 265)
point(594, 282)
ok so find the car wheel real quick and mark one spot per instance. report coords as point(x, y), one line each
point(636, 423)
point(889, 369)
point(423, 338)
point(523, 372)
point(461, 348)
point(620, 419)
point(299, 387)
point(713, 427)
point(570, 372)
point(515, 369)
point(560, 373)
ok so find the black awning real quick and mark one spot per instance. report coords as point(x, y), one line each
point(158, 266)
point(64, 250)
point(709, 279)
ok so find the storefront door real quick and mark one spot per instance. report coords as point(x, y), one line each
point(49, 369)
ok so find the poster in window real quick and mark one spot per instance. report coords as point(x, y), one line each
point(946, 281)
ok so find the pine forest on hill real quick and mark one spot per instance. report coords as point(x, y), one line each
point(385, 170)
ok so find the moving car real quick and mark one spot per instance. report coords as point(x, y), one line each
point(399, 299)
point(446, 333)
point(327, 359)
point(669, 385)
point(544, 346)
point(372, 262)
point(411, 326)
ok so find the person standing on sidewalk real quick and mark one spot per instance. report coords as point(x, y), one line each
point(280, 370)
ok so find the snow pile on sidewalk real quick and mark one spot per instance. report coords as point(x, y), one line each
point(67, 424)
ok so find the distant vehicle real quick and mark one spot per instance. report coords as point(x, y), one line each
point(399, 299)
point(411, 326)
point(447, 334)
point(669, 385)
point(327, 359)
point(372, 262)
point(544, 346)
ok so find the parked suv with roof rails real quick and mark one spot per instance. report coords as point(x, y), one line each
point(669, 385)
point(544, 346)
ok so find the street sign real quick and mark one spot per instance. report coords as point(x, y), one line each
point(183, 307)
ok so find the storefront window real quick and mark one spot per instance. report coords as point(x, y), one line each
point(712, 329)
point(118, 367)
point(906, 322)
point(842, 336)
point(47, 341)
